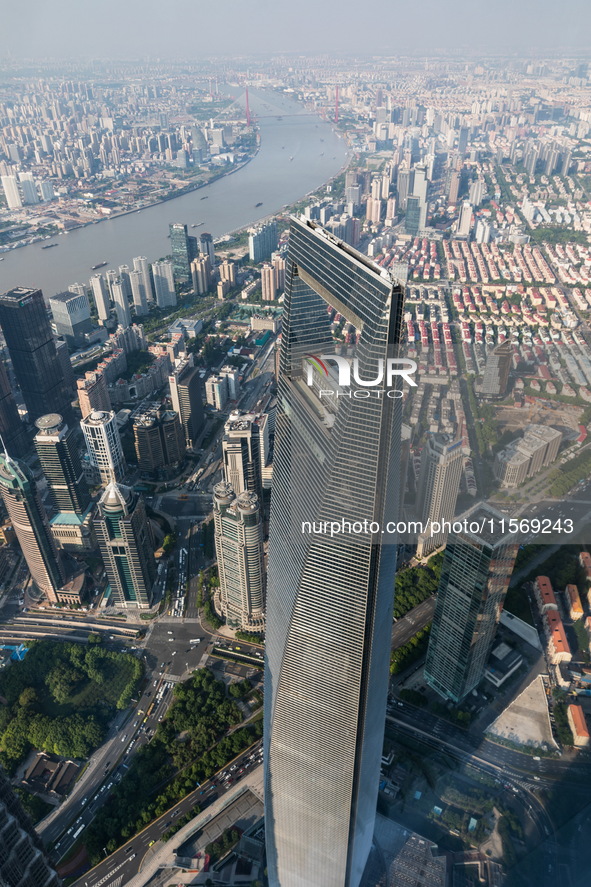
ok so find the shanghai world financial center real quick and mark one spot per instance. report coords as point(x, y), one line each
point(329, 604)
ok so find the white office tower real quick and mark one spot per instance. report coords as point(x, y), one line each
point(465, 220)
point(28, 188)
point(119, 292)
point(104, 446)
point(11, 192)
point(439, 483)
point(101, 297)
point(164, 284)
point(138, 292)
point(141, 264)
point(240, 556)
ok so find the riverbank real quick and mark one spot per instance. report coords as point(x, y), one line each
point(129, 212)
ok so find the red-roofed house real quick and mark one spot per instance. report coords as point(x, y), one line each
point(578, 725)
point(545, 594)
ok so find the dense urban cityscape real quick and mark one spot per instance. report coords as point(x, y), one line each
point(295, 578)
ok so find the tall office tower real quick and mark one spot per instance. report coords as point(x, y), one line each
point(465, 220)
point(206, 248)
point(141, 264)
point(22, 858)
point(262, 242)
point(125, 540)
point(63, 356)
point(71, 317)
point(12, 430)
point(239, 549)
point(329, 602)
point(245, 450)
point(101, 297)
point(28, 517)
point(138, 292)
point(412, 220)
point(158, 437)
point(201, 275)
point(496, 371)
point(93, 393)
point(28, 188)
point(476, 193)
point(32, 349)
point(475, 575)
point(182, 253)
point(104, 445)
point(268, 283)
point(119, 293)
point(463, 139)
point(186, 393)
point(228, 272)
point(164, 284)
point(404, 183)
point(454, 187)
point(11, 192)
point(57, 449)
point(439, 483)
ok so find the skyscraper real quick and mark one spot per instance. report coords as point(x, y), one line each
point(496, 371)
point(31, 526)
point(11, 192)
point(93, 393)
point(125, 541)
point(119, 292)
point(439, 483)
point(329, 601)
point(57, 449)
point(239, 550)
point(101, 297)
point(141, 264)
point(164, 284)
point(27, 330)
point(475, 576)
point(201, 275)
point(138, 292)
point(262, 242)
point(245, 448)
point(206, 248)
point(12, 430)
point(71, 316)
point(104, 445)
point(182, 251)
point(22, 860)
point(158, 436)
point(187, 399)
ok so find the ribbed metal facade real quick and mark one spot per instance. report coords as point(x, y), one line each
point(329, 601)
point(22, 860)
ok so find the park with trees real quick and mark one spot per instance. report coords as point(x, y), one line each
point(61, 697)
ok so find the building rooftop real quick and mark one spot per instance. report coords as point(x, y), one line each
point(578, 720)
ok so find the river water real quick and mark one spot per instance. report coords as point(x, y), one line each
point(271, 178)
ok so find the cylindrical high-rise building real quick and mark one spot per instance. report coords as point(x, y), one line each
point(58, 453)
point(31, 526)
point(104, 445)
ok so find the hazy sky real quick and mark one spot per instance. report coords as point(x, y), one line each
point(198, 28)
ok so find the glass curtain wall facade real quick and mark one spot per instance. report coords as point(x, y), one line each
point(329, 601)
